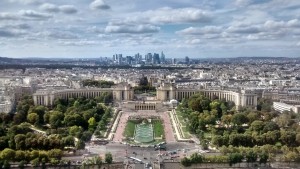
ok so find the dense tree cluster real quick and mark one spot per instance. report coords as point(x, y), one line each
point(69, 123)
point(35, 157)
point(217, 122)
point(202, 112)
point(231, 158)
point(96, 83)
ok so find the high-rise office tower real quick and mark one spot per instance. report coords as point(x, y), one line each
point(174, 61)
point(148, 58)
point(155, 59)
point(187, 60)
point(120, 59)
point(162, 57)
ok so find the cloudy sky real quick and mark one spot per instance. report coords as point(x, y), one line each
point(194, 28)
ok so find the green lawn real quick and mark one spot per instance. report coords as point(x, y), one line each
point(180, 118)
point(185, 133)
point(158, 128)
point(207, 135)
point(129, 129)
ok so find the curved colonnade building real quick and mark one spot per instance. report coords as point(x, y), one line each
point(46, 97)
point(243, 98)
point(165, 92)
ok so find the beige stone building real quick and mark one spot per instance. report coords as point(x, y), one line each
point(121, 92)
point(243, 98)
point(165, 92)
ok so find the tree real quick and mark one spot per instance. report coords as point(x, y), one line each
point(20, 141)
point(76, 131)
point(215, 104)
point(55, 153)
point(263, 158)
point(108, 158)
point(40, 111)
point(97, 161)
point(69, 141)
point(288, 137)
point(75, 120)
point(8, 154)
point(196, 158)
point(235, 158)
point(20, 155)
point(184, 103)
point(33, 118)
point(19, 117)
point(199, 103)
point(22, 164)
point(270, 126)
point(253, 116)
point(143, 81)
point(292, 156)
point(298, 138)
point(86, 136)
point(186, 162)
point(251, 157)
point(56, 119)
point(224, 108)
point(239, 119)
point(257, 125)
point(226, 119)
point(92, 123)
point(284, 120)
point(6, 164)
point(80, 145)
point(264, 104)
point(101, 125)
point(35, 162)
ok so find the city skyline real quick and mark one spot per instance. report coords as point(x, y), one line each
point(198, 29)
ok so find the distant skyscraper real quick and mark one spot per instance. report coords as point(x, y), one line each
point(162, 57)
point(187, 60)
point(155, 59)
point(120, 59)
point(115, 57)
point(129, 60)
point(174, 61)
point(137, 58)
point(148, 58)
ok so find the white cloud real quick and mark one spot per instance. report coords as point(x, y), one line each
point(30, 14)
point(79, 43)
point(270, 24)
point(170, 15)
point(293, 23)
point(95, 29)
point(25, 15)
point(8, 16)
point(21, 26)
point(193, 41)
point(243, 29)
point(49, 7)
point(67, 9)
point(58, 35)
point(10, 31)
point(26, 2)
point(242, 3)
point(260, 23)
point(99, 4)
point(200, 31)
point(129, 28)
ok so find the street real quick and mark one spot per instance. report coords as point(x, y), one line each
point(145, 154)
